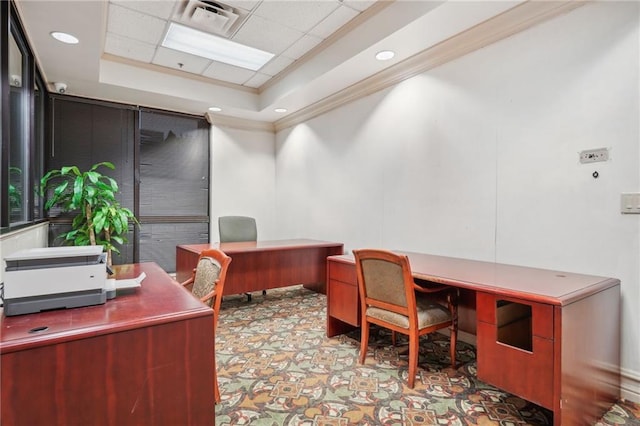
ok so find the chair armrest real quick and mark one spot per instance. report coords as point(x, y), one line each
point(432, 288)
point(213, 293)
point(187, 282)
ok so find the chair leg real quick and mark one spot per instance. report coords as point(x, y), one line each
point(413, 358)
point(216, 388)
point(248, 297)
point(454, 339)
point(364, 341)
point(393, 338)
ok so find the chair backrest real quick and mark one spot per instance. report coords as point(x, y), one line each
point(237, 228)
point(211, 273)
point(385, 281)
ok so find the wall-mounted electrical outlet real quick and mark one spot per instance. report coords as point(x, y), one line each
point(594, 155)
point(630, 203)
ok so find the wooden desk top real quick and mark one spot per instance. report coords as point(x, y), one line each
point(159, 300)
point(249, 246)
point(540, 285)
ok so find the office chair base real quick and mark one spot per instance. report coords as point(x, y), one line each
point(264, 293)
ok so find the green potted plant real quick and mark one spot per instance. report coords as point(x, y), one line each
point(100, 220)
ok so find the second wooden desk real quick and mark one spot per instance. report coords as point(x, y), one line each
point(263, 265)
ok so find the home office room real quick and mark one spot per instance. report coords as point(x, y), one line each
point(493, 161)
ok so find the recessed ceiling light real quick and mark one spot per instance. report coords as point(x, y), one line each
point(216, 48)
point(385, 55)
point(215, 109)
point(64, 37)
point(280, 110)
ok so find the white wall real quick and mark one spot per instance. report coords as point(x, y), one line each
point(243, 178)
point(479, 159)
point(35, 236)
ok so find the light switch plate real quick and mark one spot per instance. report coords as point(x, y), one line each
point(594, 155)
point(630, 203)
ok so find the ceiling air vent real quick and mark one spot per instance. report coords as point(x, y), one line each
point(210, 16)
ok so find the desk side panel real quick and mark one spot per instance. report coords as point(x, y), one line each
point(343, 301)
point(590, 357)
point(151, 375)
point(186, 260)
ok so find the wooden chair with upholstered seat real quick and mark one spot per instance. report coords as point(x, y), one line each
point(207, 284)
point(388, 298)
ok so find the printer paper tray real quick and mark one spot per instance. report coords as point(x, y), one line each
point(29, 305)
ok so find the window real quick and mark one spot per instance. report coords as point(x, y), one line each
point(22, 110)
point(174, 184)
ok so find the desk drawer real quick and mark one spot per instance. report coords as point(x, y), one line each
point(345, 272)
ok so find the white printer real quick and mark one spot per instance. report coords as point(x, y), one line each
point(48, 278)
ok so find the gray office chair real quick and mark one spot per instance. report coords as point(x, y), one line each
point(238, 228)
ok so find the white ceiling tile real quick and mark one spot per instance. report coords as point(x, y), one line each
point(116, 44)
point(136, 28)
point(159, 8)
point(333, 22)
point(226, 72)
point(135, 25)
point(242, 4)
point(360, 5)
point(266, 35)
point(300, 15)
point(276, 65)
point(172, 59)
point(302, 46)
point(257, 80)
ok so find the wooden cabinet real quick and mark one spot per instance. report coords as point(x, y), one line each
point(140, 359)
point(515, 346)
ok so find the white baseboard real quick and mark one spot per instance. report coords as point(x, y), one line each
point(630, 385)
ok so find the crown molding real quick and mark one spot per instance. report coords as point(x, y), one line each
point(513, 21)
point(238, 123)
point(374, 9)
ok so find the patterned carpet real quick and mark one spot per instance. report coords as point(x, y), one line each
point(277, 367)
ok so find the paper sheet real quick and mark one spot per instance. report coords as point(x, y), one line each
point(130, 283)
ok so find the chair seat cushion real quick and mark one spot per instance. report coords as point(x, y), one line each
point(429, 314)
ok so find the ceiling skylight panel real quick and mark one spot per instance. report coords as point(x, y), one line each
point(216, 48)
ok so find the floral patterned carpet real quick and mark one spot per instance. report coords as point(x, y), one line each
point(277, 367)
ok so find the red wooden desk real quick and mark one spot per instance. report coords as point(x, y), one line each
point(143, 358)
point(573, 329)
point(263, 265)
